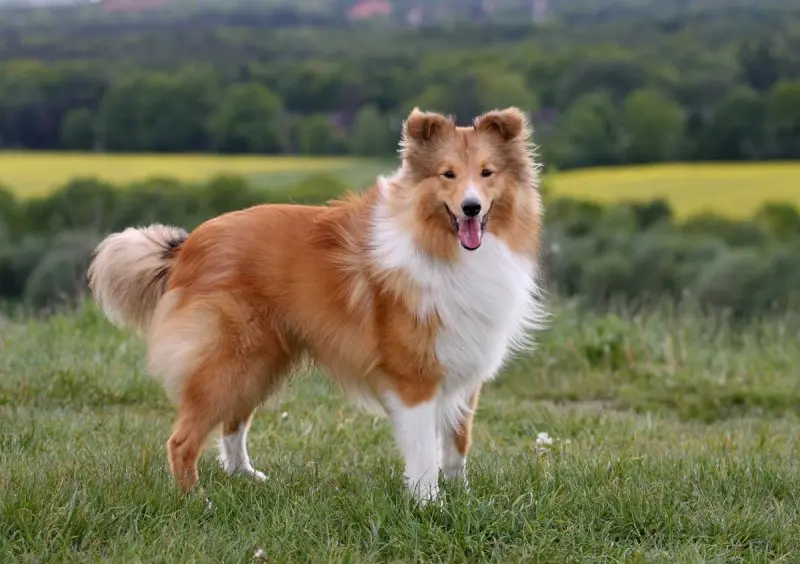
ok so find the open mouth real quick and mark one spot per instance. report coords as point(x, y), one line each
point(469, 229)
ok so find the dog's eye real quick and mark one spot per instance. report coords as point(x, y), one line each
point(449, 174)
point(486, 173)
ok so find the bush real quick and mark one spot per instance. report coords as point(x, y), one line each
point(779, 219)
point(652, 214)
point(576, 217)
point(80, 204)
point(630, 251)
point(732, 283)
point(313, 190)
point(61, 274)
point(734, 233)
point(156, 200)
point(9, 213)
point(607, 277)
point(17, 262)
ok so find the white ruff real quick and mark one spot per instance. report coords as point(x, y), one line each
point(486, 302)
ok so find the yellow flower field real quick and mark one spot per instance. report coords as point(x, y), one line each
point(35, 173)
point(734, 189)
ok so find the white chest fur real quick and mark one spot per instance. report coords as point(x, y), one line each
point(485, 300)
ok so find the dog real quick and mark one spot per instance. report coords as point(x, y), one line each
point(411, 294)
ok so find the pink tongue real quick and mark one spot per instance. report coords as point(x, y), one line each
point(469, 231)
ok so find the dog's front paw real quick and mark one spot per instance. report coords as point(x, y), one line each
point(424, 492)
point(257, 475)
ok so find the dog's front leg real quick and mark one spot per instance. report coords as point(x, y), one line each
point(415, 431)
point(455, 434)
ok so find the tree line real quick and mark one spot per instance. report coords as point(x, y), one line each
point(601, 93)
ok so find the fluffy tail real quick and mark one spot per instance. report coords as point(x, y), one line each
point(130, 270)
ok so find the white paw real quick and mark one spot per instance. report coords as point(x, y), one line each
point(424, 492)
point(257, 475)
point(244, 470)
point(455, 473)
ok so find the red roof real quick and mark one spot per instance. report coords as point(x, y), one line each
point(366, 9)
point(132, 5)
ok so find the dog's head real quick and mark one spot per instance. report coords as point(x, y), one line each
point(463, 179)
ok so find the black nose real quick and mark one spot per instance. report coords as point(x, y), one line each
point(471, 207)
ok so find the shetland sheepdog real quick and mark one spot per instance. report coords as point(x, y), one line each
point(410, 294)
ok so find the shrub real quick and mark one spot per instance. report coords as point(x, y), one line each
point(606, 277)
point(314, 189)
point(732, 283)
point(779, 219)
point(629, 251)
point(652, 214)
point(9, 213)
point(734, 233)
point(18, 262)
point(61, 274)
point(80, 204)
point(576, 217)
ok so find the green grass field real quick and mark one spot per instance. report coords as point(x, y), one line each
point(676, 441)
point(736, 190)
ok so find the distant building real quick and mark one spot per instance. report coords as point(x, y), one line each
point(369, 9)
point(44, 3)
point(415, 16)
point(540, 10)
point(131, 5)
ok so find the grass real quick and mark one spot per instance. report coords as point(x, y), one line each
point(676, 441)
point(736, 190)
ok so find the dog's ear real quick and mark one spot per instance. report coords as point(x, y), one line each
point(510, 123)
point(421, 127)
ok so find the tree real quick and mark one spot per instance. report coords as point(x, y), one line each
point(759, 64)
point(616, 77)
point(371, 135)
point(737, 126)
point(313, 86)
point(467, 94)
point(318, 136)
point(499, 90)
point(36, 95)
point(590, 132)
point(77, 130)
point(159, 111)
point(248, 120)
point(783, 118)
point(653, 127)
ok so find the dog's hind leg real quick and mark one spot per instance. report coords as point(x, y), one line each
point(250, 389)
point(233, 449)
point(234, 358)
point(194, 424)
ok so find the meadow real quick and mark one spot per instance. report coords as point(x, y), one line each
point(674, 438)
point(736, 190)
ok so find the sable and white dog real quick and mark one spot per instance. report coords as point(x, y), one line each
point(411, 295)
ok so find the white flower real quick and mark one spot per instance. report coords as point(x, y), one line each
point(543, 439)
